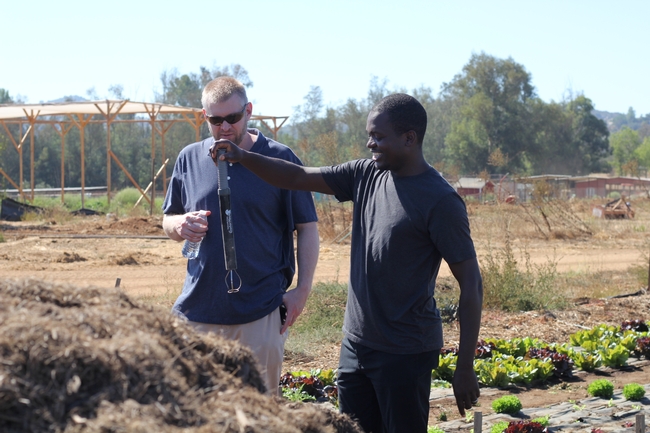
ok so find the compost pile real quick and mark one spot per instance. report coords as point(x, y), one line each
point(91, 360)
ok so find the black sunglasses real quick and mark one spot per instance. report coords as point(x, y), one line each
point(231, 118)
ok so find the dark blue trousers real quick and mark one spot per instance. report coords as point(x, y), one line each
point(385, 392)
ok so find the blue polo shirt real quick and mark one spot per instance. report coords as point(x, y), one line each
point(264, 219)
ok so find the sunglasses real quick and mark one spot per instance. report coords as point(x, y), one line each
point(231, 118)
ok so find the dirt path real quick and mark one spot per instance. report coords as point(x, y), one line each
point(145, 266)
point(148, 266)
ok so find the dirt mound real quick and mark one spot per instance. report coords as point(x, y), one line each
point(87, 225)
point(91, 360)
point(127, 259)
point(134, 225)
point(70, 258)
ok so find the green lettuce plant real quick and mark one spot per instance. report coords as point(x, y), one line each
point(601, 388)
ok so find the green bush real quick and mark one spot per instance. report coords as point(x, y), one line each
point(126, 198)
point(601, 388)
point(507, 404)
point(633, 391)
point(509, 286)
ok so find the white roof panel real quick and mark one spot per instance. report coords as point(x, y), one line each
point(105, 107)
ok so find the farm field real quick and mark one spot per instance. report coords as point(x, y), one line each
point(600, 259)
point(95, 250)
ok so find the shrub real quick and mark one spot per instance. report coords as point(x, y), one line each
point(507, 404)
point(601, 388)
point(511, 286)
point(633, 391)
point(126, 198)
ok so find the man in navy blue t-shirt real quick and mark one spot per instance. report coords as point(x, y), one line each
point(407, 218)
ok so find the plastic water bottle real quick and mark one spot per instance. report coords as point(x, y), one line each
point(191, 249)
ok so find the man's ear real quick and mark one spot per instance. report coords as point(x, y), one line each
point(411, 138)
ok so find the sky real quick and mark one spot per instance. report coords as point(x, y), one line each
point(51, 49)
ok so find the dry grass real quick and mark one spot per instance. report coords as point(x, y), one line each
point(334, 219)
point(545, 227)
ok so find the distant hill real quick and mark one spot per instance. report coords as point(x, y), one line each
point(616, 121)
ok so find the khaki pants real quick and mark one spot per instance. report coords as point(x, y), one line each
point(263, 338)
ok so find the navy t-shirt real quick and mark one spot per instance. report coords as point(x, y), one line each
point(264, 219)
point(402, 228)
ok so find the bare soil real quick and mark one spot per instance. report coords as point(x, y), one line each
point(98, 250)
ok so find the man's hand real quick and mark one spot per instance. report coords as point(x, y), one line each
point(466, 389)
point(192, 225)
point(295, 301)
point(233, 152)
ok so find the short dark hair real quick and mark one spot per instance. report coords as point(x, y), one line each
point(405, 113)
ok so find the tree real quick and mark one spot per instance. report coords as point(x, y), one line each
point(569, 139)
point(624, 143)
point(642, 154)
point(4, 97)
point(312, 107)
point(590, 135)
point(438, 125)
point(552, 151)
point(185, 90)
point(493, 98)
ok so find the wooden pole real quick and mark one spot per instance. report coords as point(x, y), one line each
point(108, 161)
point(31, 158)
point(478, 422)
point(62, 167)
point(82, 143)
point(144, 194)
point(153, 165)
point(639, 426)
point(62, 129)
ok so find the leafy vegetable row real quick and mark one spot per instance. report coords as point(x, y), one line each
point(525, 360)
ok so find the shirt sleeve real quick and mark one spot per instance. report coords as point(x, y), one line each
point(450, 231)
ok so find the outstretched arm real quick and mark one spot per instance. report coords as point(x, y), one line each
point(465, 384)
point(277, 172)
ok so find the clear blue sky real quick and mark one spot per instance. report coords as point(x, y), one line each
point(55, 48)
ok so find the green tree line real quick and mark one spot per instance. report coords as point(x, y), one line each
point(488, 119)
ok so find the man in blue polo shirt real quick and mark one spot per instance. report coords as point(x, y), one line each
point(264, 220)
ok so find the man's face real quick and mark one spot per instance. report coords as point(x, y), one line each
point(387, 147)
point(230, 108)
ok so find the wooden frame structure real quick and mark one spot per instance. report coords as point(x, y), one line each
point(79, 114)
